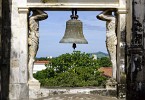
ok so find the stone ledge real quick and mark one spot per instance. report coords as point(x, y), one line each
point(44, 92)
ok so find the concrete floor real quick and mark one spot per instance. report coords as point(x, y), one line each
point(77, 97)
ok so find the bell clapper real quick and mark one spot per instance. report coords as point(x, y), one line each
point(74, 46)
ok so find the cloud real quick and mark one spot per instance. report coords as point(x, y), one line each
point(92, 23)
point(94, 27)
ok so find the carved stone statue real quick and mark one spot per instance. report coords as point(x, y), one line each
point(33, 39)
point(111, 39)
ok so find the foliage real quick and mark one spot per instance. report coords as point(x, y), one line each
point(75, 59)
point(71, 70)
point(104, 62)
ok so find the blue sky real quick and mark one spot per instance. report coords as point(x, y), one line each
point(52, 30)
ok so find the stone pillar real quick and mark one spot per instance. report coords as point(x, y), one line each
point(0, 26)
point(14, 51)
point(18, 84)
point(121, 24)
point(0, 41)
point(5, 43)
point(136, 52)
point(121, 34)
point(128, 42)
point(18, 87)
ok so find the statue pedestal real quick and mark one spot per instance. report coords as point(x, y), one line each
point(34, 89)
point(111, 84)
point(34, 85)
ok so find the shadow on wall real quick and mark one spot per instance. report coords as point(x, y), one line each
point(0, 41)
point(6, 37)
point(0, 45)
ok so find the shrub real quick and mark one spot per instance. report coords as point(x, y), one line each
point(104, 62)
point(71, 70)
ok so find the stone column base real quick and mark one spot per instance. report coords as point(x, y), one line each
point(34, 89)
point(111, 84)
point(34, 85)
point(18, 91)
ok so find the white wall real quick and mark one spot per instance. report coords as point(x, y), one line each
point(38, 67)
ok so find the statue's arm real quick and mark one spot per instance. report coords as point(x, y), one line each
point(40, 15)
point(104, 16)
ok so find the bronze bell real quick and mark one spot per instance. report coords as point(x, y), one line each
point(74, 31)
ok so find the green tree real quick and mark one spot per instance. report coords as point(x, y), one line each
point(69, 70)
point(75, 59)
point(104, 62)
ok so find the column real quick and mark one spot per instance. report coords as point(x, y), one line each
point(0, 42)
point(121, 32)
point(121, 36)
point(14, 51)
point(19, 75)
point(18, 86)
point(5, 43)
point(136, 52)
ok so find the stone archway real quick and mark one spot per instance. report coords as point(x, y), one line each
point(18, 64)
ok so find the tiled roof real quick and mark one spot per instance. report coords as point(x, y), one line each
point(41, 62)
point(107, 71)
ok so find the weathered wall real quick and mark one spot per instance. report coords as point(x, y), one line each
point(135, 52)
point(0, 41)
point(6, 34)
point(14, 51)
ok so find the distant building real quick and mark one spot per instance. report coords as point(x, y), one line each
point(94, 57)
point(49, 57)
point(39, 65)
point(107, 71)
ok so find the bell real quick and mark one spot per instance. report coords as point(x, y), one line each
point(74, 32)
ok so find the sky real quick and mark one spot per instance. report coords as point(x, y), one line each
point(52, 30)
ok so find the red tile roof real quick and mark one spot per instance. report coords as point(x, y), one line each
point(42, 62)
point(107, 71)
